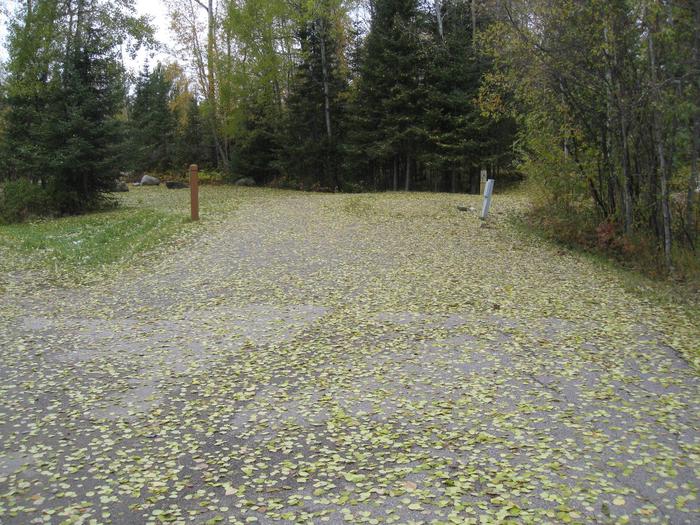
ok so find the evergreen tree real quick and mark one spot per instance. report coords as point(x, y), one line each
point(389, 105)
point(153, 123)
point(192, 146)
point(258, 144)
point(32, 77)
point(82, 133)
point(461, 139)
point(65, 86)
point(314, 109)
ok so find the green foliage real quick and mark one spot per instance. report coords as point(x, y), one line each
point(460, 134)
point(193, 142)
point(21, 200)
point(415, 121)
point(64, 89)
point(211, 177)
point(297, 94)
point(553, 176)
point(315, 114)
point(153, 123)
point(391, 93)
point(257, 146)
point(606, 95)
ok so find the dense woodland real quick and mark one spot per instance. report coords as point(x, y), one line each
point(595, 102)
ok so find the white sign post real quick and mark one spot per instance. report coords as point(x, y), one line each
point(488, 193)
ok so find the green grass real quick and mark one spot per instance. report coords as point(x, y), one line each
point(78, 248)
point(92, 240)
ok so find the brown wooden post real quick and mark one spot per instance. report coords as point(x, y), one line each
point(194, 192)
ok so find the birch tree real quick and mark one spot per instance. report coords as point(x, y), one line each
point(616, 83)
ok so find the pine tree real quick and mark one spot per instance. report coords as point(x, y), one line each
point(153, 123)
point(258, 143)
point(388, 112)
point(314, 108)
point(32, 78)
point(192, 146)
point(82, 133)
point(461, 139)
point(65, 86)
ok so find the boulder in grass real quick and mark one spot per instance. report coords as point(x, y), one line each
point(148, 180)
point(175, 184)
point(245, 181)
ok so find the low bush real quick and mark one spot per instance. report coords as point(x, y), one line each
point(283, 182)
point(583, 228)
point(211, 177)
point(21, 199)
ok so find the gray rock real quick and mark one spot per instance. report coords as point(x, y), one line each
point(147, 180)
point(136, 184)
point(121, 186)
point(466, 208)
point(245, 181)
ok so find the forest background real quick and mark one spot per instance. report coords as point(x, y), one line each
point(595, 103)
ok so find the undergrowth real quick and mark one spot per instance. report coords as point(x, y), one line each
point(639, 257)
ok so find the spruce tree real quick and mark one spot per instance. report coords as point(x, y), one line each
point(259, 143)
point(65, 86)
point(314, 108)
point(461, 139)
point(153, 123)
point(82, 133)
point(191, 145)
point(388, 112)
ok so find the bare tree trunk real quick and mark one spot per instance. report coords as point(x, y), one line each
point(694, 182)
point(607, 174)
point(220, 146)
point(396, 173)
point(566, 138)
point(408, 173)
point(211, 34)
point(661, 152)
point(626, 175)
point(439, 15)
point(473, 13)
point(607, 133)
point(326, 85)
point(617, 97)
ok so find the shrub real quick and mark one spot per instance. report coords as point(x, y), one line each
point(22, 199)
point(283, 182)
point(353, 187)
point(211, 177)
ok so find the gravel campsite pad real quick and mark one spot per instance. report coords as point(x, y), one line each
point(338, 358)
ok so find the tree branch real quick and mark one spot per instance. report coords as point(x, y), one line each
point(206, 8)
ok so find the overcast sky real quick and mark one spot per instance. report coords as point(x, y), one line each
point(154, 8)
point(159, 13)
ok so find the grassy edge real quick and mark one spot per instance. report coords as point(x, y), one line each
point(101, 246)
